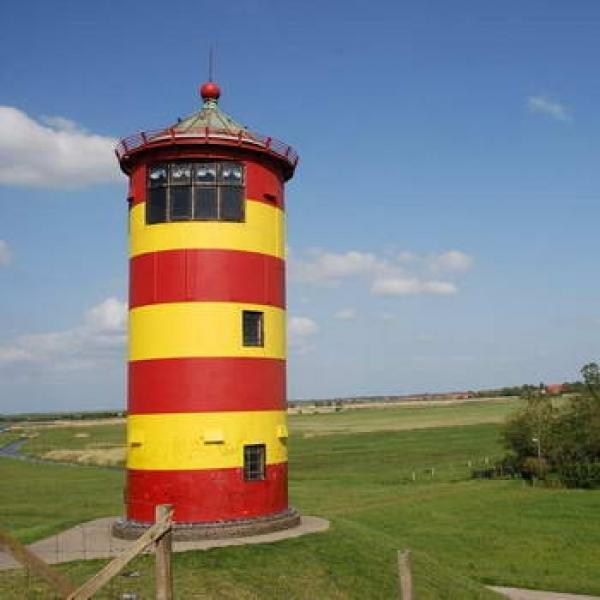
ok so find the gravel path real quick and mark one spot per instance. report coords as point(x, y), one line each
point(518, 594)
point(94, 540)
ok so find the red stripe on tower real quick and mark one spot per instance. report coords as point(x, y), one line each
point(205, 384)
point(197, 276)
point(230, 496)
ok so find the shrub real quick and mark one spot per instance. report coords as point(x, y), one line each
point(580, 475)
point(545, 441)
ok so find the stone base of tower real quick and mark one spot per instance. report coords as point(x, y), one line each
point(130, 530)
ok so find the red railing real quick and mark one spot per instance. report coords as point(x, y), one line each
point(281, 150)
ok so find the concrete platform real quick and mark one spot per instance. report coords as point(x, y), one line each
point(94, 539)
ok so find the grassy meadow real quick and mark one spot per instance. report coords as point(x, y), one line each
point(387, 478)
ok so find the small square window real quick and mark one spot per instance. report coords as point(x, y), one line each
point(255, 462)
point(252, 328)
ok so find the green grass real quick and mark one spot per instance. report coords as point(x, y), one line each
point(389, 458)
point(75, 438)
point(501, 532)
point(400, 418)
point(463, 532)
point(39, 500)
point(288, 570)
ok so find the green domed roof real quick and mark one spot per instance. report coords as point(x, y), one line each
point(212, 117)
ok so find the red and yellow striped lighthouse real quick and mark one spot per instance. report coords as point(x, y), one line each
point(206, 426)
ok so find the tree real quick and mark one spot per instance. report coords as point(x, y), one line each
point(562, 439)
point(591, 378)
point(528, 433)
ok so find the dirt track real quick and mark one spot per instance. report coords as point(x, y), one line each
point(518, 594)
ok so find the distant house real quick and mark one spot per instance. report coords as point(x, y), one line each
point(554, 388)
point(460, 395)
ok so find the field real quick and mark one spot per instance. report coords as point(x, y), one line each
point(387, 478)
point(91, 442)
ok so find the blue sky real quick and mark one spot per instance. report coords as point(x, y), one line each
point(443, 221)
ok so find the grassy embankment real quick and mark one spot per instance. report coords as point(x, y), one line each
point(355, 468)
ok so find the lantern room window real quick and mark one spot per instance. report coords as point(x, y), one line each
point(255, 460)
point(206, 191)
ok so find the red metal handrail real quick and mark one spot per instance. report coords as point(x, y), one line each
point(138, 140)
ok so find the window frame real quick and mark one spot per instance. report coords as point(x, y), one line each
point(226, 203)
point(254, 465)
point(260, 333)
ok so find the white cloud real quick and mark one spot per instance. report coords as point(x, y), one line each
point(110, 315)
point(453, 261)
point(5, 254)
point(53, 152)
point(99, 339)
point(405, 273)
point(450, 261)
point(442, 288)
point(61, 123)
point(301, 330)
point(301, 327)
point(329, 268)
point(543, 105)
point(345, 314)
point(395, 286)
point(399, 286)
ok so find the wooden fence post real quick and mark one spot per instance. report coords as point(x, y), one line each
point(91, 586)
point(163, 574)
point(35, 564)
point(404, 575)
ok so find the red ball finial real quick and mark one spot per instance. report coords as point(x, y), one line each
point(210, 91)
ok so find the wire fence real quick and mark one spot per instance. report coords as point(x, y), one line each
point(440, 471)
point(132, 572)
point(137, 582)
point(584, 475)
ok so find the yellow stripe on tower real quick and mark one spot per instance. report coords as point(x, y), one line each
point(263, 231)
point(182, 329)
point(203, 440)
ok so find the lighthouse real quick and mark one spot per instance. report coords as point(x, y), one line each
point(207, 409)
